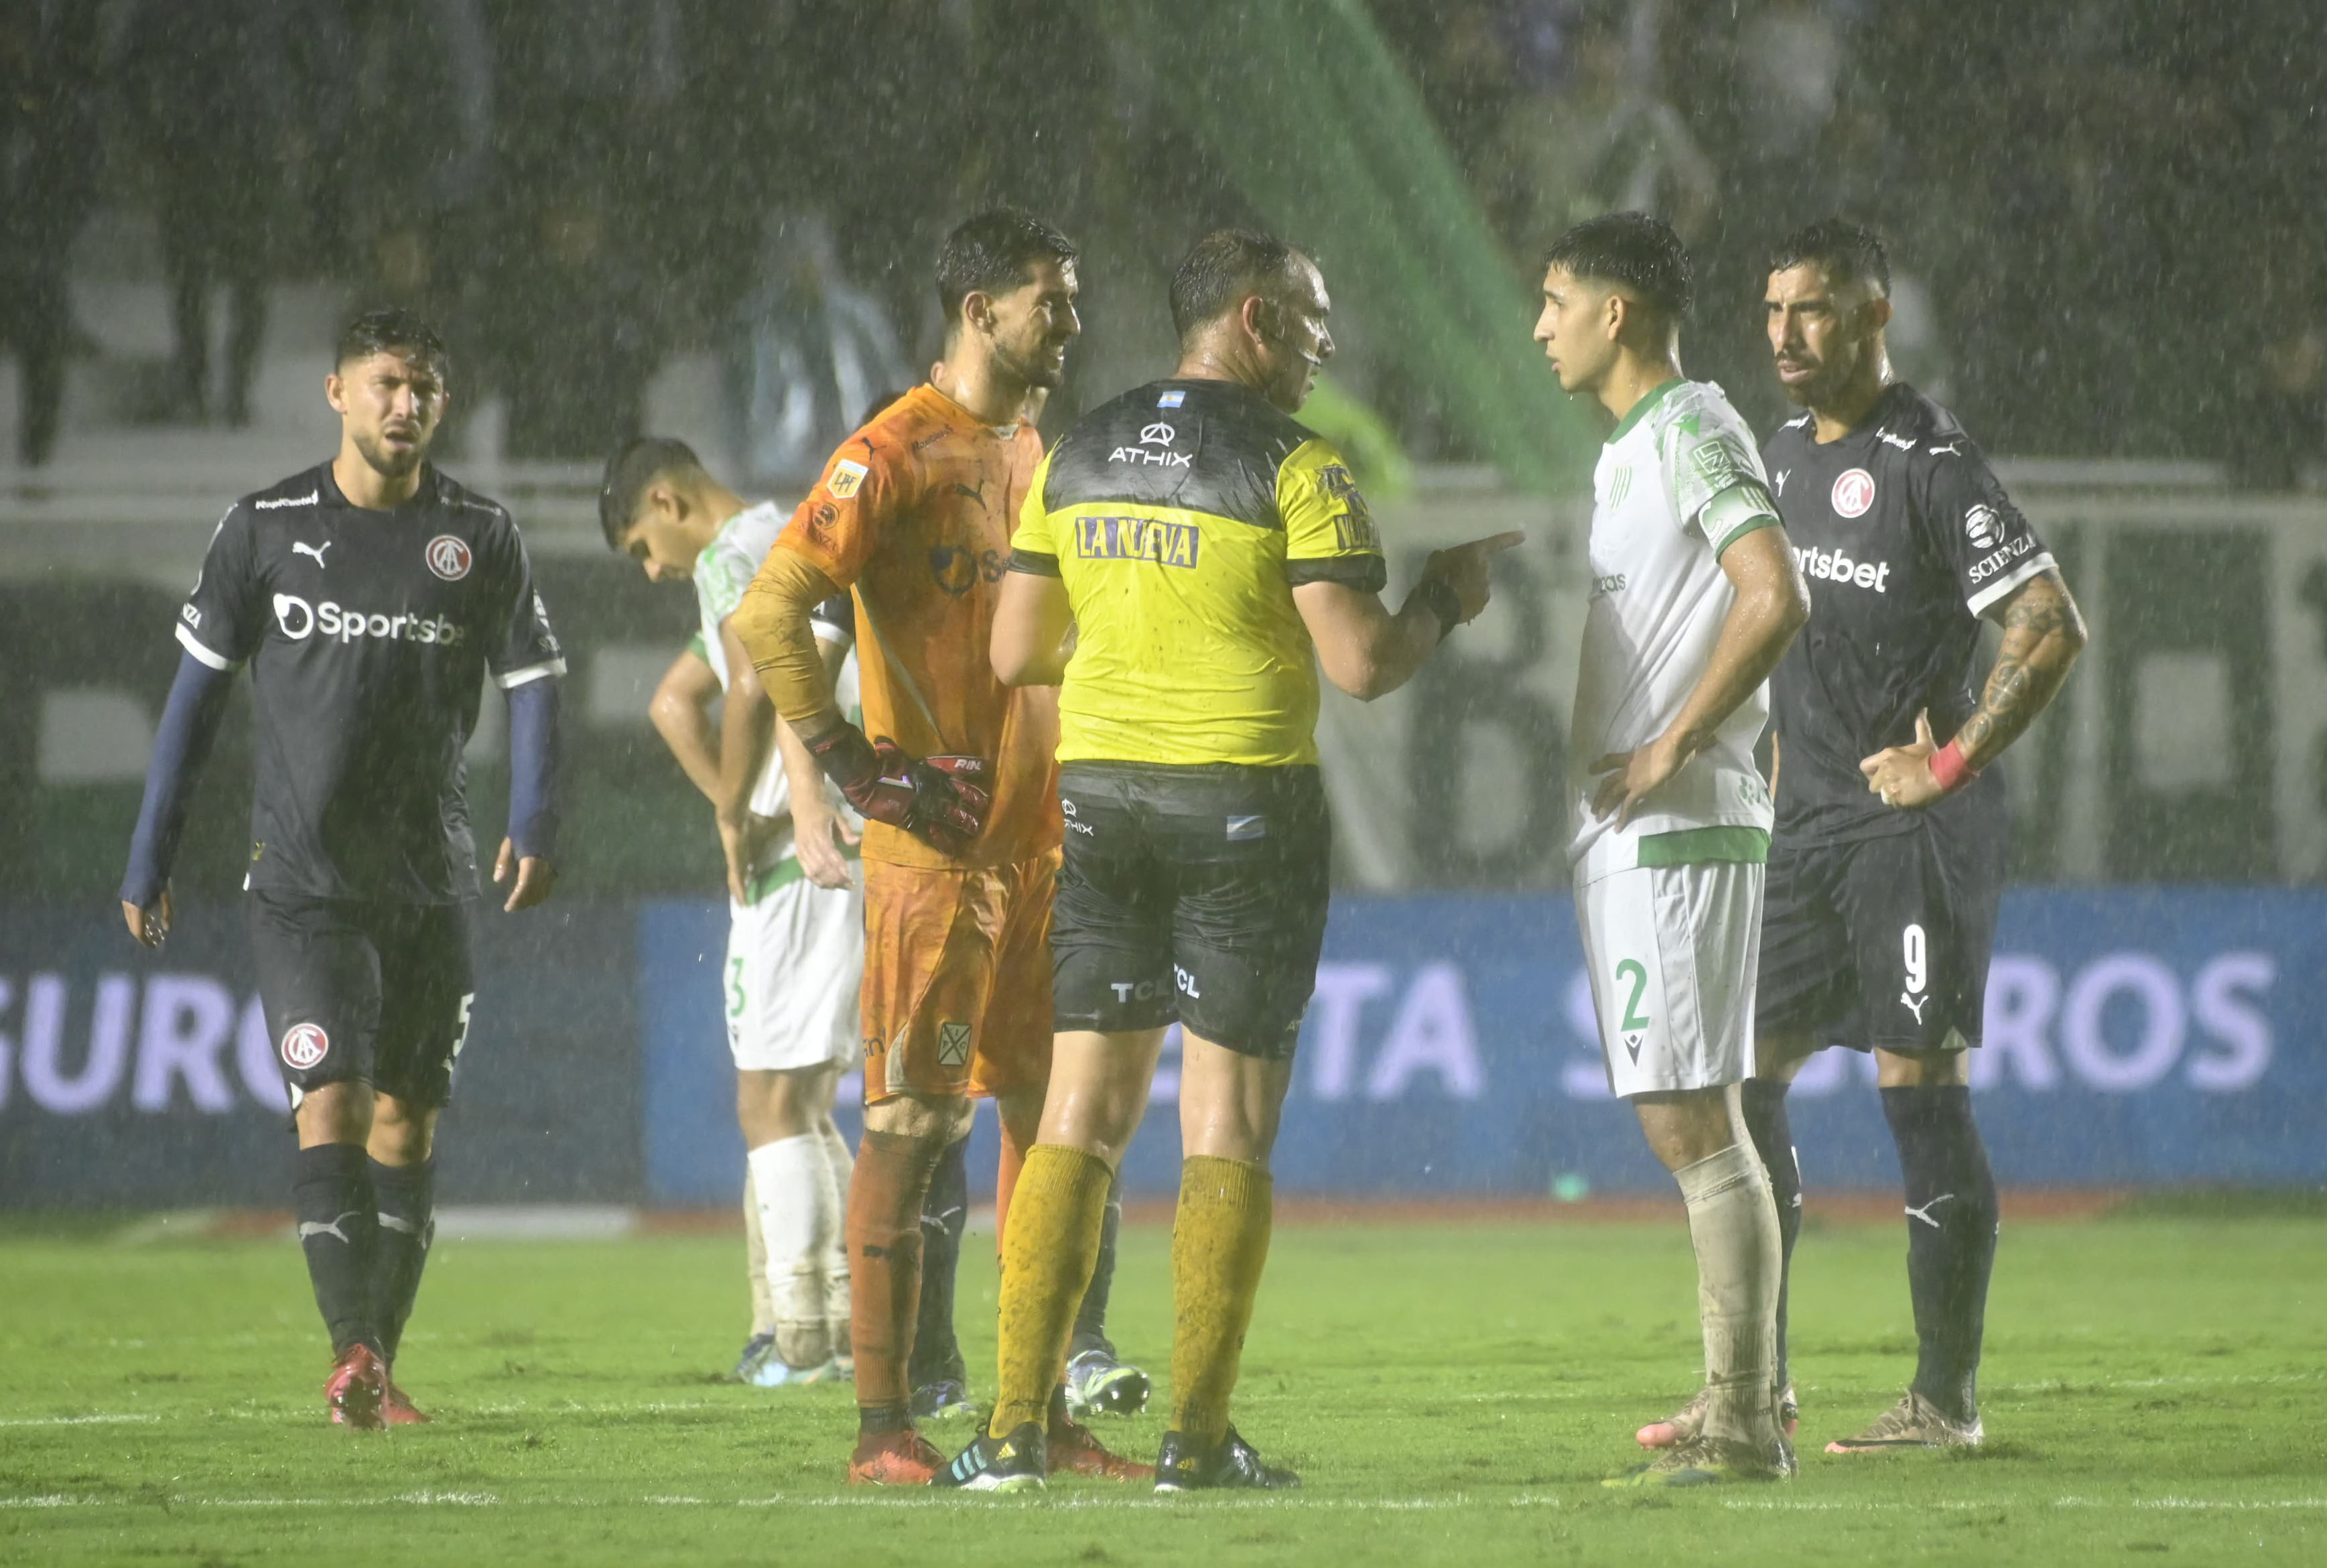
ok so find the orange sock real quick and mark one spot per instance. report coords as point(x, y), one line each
point(884, 1259)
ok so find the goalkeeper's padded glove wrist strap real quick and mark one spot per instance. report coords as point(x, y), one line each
point(847, 757)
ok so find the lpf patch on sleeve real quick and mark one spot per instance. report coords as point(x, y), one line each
point(844, 480)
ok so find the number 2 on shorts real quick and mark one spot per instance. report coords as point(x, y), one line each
point(1640, 978)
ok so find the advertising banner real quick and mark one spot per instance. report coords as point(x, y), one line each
point(136, 1080)
point(2134, 1035)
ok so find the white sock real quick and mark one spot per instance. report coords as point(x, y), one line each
point(839, 1165)
point(788, 1177)
point(1733, 1222)
point(755, 1260)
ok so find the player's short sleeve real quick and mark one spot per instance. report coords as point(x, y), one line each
point(223, 618)
point(1718, 487)
point(1971, 521)
point(1329, 533)
point(721, 575)
point(840, 523)
point(1035, 543)
point(835, 620)
point(522, 648)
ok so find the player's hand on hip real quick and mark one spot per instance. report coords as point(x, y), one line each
point(535, 877)
point(150, 923)
point(1466, 569)
point(822, 860)
point(1633, 776)
point(940, 800)
point(1900, 776)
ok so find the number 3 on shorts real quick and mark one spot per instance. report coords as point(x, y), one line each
point(1631, 970)
point(737, 1001)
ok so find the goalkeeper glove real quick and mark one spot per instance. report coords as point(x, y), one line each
point(940, 800)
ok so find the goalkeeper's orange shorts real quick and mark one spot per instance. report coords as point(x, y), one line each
point(957, 997)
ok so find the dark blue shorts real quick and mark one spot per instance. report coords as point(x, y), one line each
point(1879, 942)
point(364, 993)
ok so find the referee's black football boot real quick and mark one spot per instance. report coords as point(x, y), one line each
point(1185, 1465)
point(1015, 1463)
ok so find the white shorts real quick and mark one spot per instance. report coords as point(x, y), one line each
point(1673, 951)
point(795, 963)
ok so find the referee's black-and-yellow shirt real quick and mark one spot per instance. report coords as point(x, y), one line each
point(1180, 517)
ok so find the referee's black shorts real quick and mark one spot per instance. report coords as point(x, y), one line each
point(1880, 942)
point(1194, 894)
point(359, 992)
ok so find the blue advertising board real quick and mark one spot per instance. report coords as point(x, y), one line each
point(138, 1080)
point(2134, 1035)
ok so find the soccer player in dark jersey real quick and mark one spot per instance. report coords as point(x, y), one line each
point(369, 597)
point(1888, 860)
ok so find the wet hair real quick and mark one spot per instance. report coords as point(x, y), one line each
point(637, 463)
point(1223, 269)
point(1639, 254)
point(393, 330)
point(994, 253)
point(1845, 251)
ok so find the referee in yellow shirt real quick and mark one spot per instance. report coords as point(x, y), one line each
point(1208, 554)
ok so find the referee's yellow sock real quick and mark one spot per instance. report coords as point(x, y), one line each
point(1220, 1245)
point(1048, 1253)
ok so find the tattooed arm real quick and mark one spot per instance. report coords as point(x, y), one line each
point(2043, 635)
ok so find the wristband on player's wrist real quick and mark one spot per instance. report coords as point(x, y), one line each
point(1950, 768)
point(1438, 595)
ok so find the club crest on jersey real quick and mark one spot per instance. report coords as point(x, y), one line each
point(845, 479)
point(1983, 527)
point(448, 556)
point(304, 1045)
point(1854, 492)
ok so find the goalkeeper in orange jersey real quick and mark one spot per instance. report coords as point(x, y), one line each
point(954, 773)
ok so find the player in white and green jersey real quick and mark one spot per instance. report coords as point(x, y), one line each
point(1695, 597)
point(795, 932)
